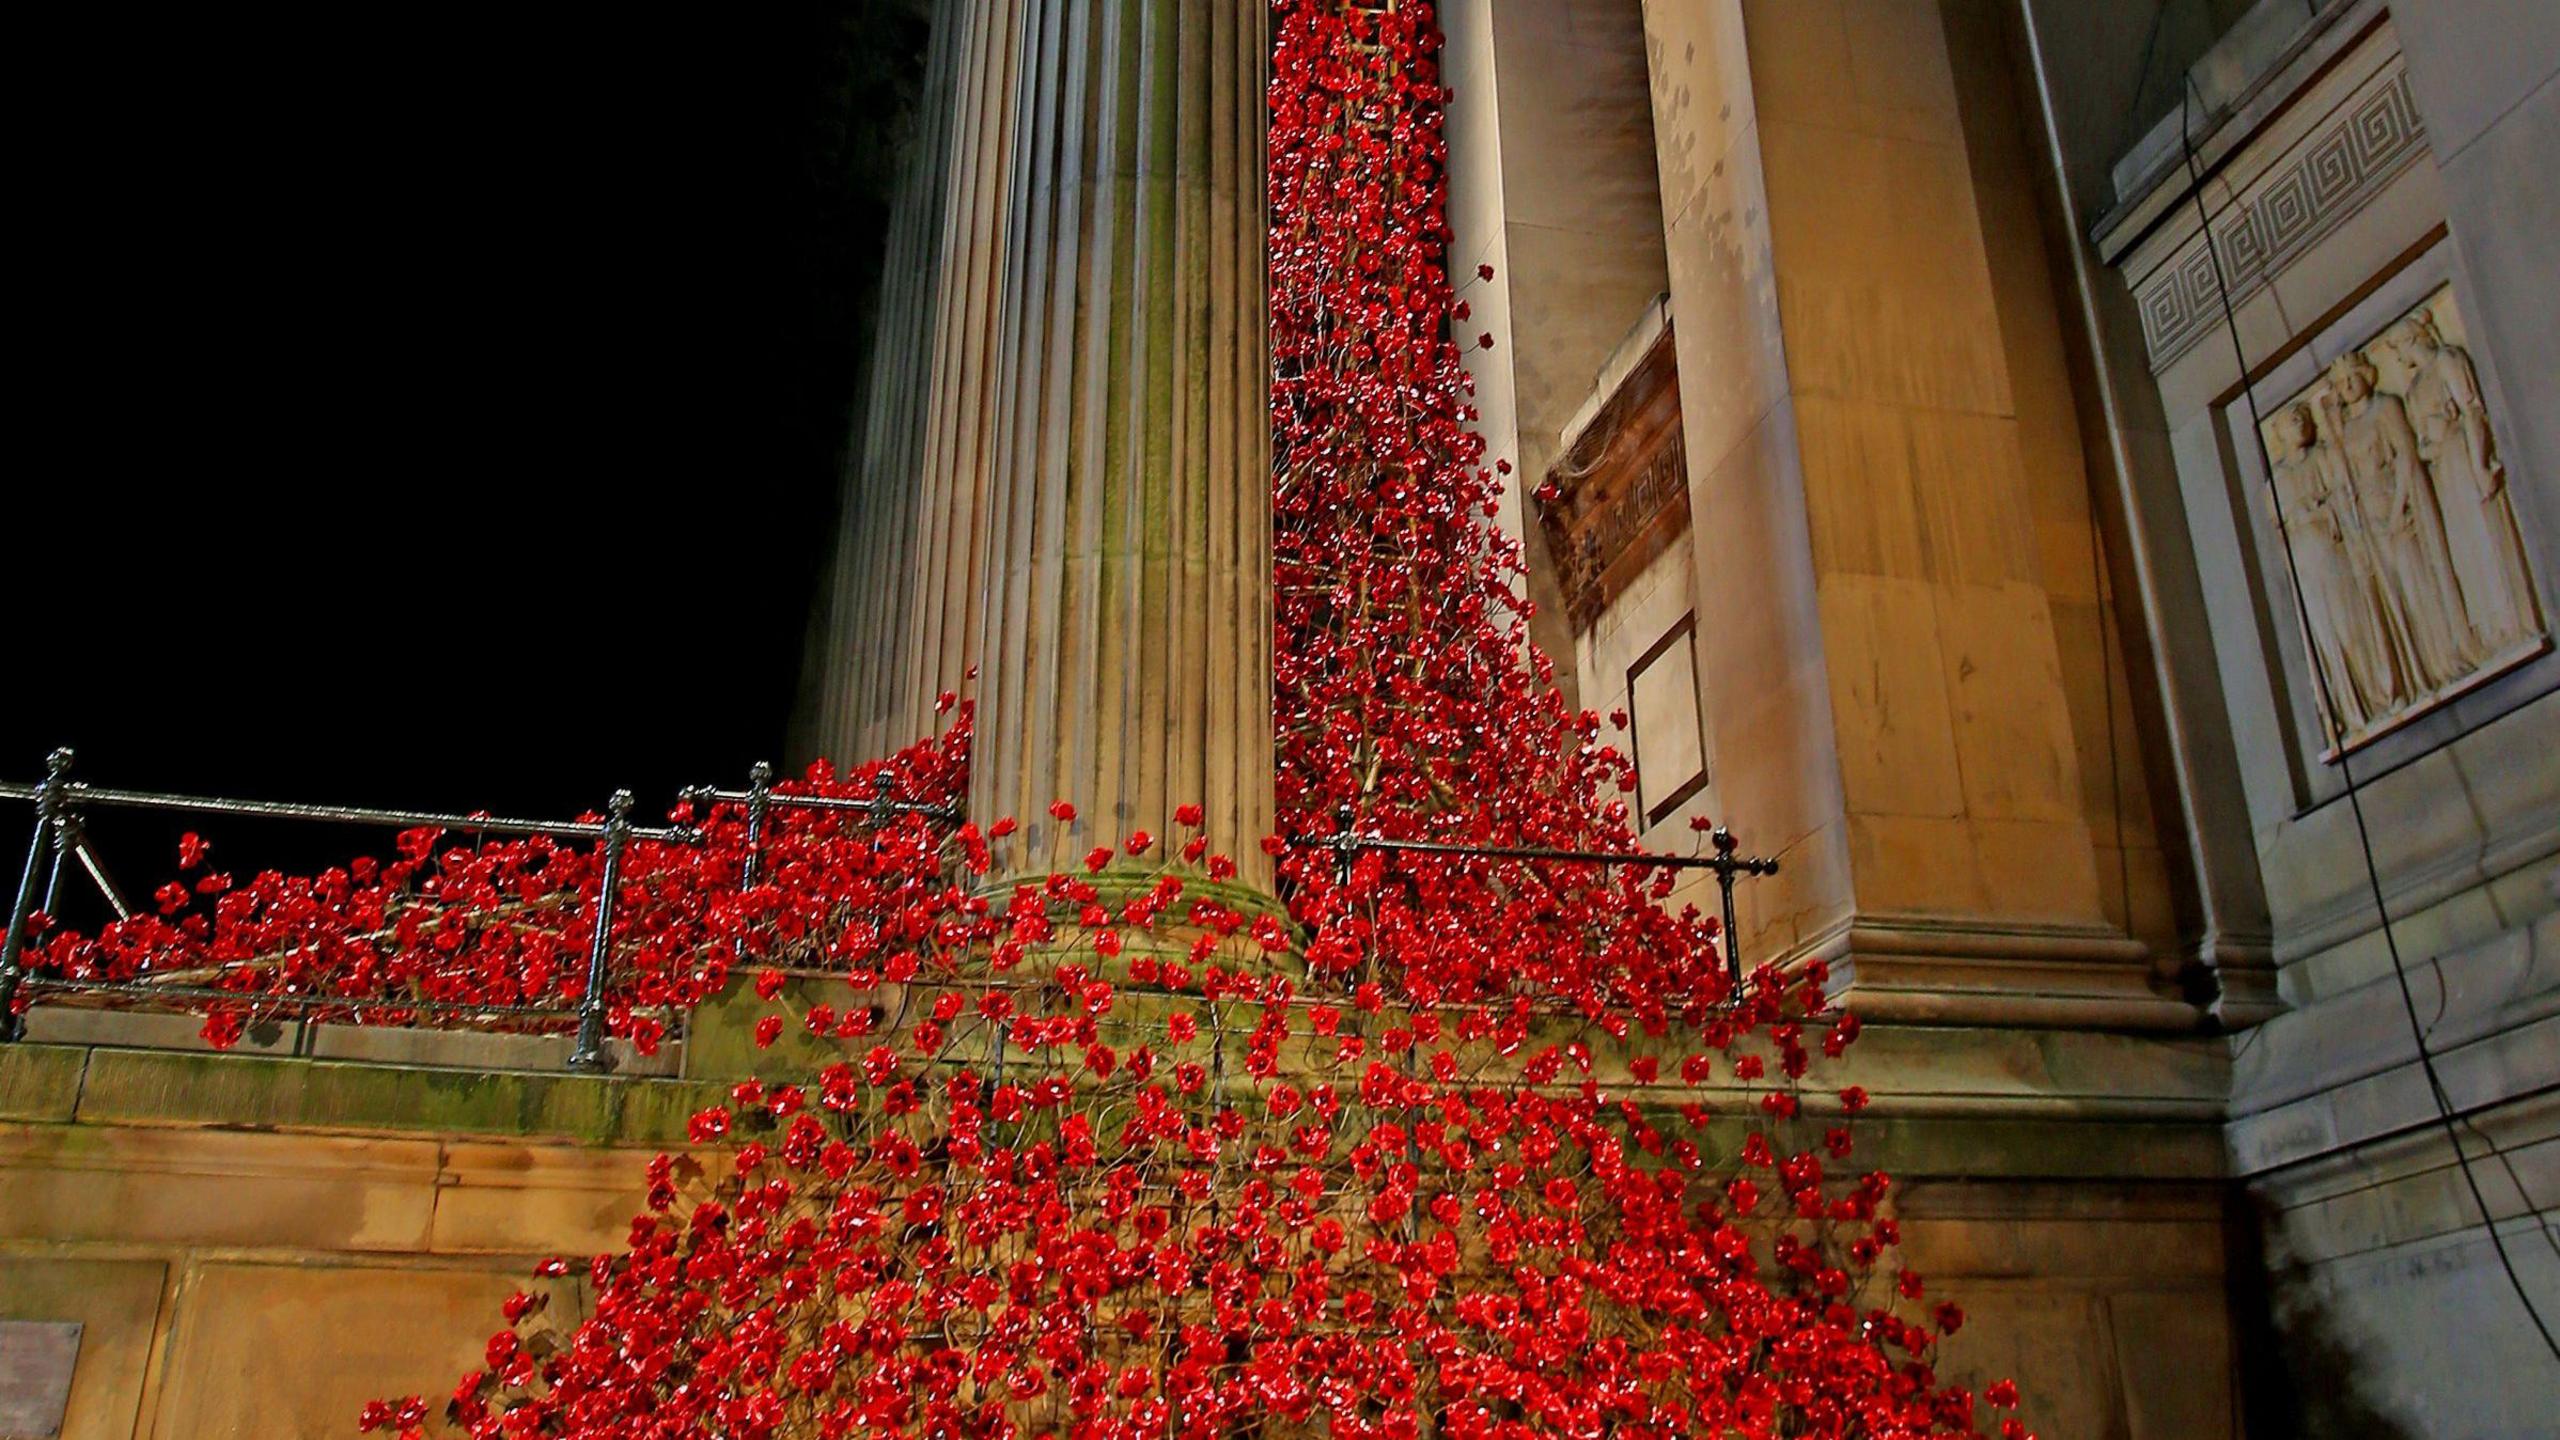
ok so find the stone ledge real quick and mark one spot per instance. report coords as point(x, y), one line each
point(1921, 970)
point(40, 1082)
point(2410, 1187)
point(116, 1087)
point(132, 1089)
point(418, 1047)
point(1983, 1148)
point(2436, 901)
point(2506, 982)
point(2502, 1069)
point(2066, 1074)
point(419, 1195)
point(2344, 1073)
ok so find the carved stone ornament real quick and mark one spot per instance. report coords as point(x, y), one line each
point(2389, 486)
point(2320, 185)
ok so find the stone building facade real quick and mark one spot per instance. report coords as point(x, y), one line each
point(1997, 642)
point(1901, 368)
point(1908, 515)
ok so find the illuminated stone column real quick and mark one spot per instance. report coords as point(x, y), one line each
point(1125, 637)
point(1062, 479)
point(904, 591)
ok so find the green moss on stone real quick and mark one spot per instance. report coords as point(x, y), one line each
point(133, 1087)
point(40, 1083)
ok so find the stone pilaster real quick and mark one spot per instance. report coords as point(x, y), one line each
point(1904, 646)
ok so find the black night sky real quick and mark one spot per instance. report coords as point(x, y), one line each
point(433, 406)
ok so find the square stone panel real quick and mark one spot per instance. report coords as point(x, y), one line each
point(281, 1350)
point(1671, 757)
point(117, 1305)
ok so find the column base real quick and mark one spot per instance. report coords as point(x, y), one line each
point(1921, 970)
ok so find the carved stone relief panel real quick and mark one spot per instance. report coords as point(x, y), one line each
point(2393, 500)
point(1619, 495)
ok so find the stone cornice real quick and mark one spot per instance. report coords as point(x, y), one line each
point(2320, 180)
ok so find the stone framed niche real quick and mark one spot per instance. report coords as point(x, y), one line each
point(1663, 729)
point(2405, 548)
point(2412, 602)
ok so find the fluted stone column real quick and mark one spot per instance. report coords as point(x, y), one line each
point(1063, 481)
point(903, 594)
point(1125, 637)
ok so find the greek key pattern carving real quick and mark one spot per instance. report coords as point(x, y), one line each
point(2328, 178)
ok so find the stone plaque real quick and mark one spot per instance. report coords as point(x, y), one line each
point(2391, 490)
point(1619, 495)
point(35, 1376)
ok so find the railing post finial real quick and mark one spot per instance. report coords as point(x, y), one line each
point(57, 778)
point(590, 1054)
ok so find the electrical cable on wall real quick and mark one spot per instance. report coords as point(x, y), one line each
point(2188, 104)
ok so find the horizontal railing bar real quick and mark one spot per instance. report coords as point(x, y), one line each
point(1518, 852)
point(253, 1000)
point(77, 794)
point(835, 802)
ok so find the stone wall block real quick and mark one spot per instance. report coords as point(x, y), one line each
point(117, 1304)
point(73, 1183)
point(1897, 737)
point(2012, 726)
point(285, 1350)
point(525, 1199)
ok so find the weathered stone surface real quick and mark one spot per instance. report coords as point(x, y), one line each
point(532, 1198)
point(117, 1303)
point(40, 1082)
point(266, 1349)
point(112, 1184)
point(134, 1087)
point(720, 1039)
point(469, 1050)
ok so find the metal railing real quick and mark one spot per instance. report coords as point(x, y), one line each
point(61, 838)
point(1728, 866)
point(760, 797)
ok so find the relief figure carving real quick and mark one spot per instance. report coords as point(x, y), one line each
point(2390, 495)
point(2350, 630)
point(2452, 425)
point(2398, 502)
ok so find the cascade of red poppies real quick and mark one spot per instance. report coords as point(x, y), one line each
point(1441, 1147)
point(1410, 701)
